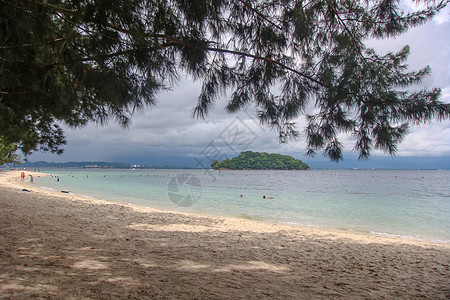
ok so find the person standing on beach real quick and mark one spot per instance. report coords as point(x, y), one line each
point(31, 178)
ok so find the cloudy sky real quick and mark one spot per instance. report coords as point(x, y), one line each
point(168, 135)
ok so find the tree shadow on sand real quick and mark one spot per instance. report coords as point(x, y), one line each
point(76, 249)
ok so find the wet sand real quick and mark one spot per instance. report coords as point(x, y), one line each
point(58, 246)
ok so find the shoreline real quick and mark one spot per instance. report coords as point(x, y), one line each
point(60, 246)
point(344, 233)
point(355, 234)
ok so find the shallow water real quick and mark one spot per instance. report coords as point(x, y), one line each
point(412, 203)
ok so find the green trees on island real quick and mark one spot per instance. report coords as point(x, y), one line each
point(249, 160)
point(77, 61)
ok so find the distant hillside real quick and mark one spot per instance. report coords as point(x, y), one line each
point(90, 165)
point(260, 161)
point(74, 164)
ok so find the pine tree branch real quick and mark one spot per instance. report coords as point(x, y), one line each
point(355, 44)
point(270, 60)
point(181, 42)
point(9, 93)
point(245, 3)
point(128, 51)
point(34, 44)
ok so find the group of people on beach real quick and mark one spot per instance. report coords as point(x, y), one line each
point(22, 176)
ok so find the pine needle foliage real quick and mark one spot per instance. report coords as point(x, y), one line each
point(7, 153)
point(76, 61)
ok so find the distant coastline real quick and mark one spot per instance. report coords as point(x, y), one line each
point(113, 165)
point(120, 165)
point(90, 165)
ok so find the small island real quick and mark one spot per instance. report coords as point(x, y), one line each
point(249, 160)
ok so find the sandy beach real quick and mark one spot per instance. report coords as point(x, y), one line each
point(58, 246)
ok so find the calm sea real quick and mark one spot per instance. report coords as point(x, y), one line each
point(410, 203)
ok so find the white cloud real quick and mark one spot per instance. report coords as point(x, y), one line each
point(427, 140)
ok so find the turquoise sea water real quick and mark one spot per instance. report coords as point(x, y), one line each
point(412, 203)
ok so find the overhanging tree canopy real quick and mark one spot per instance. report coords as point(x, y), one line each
point(84, 60)
point(7, 155)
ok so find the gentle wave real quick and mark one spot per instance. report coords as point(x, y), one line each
point(409, 237)
point(47, 188)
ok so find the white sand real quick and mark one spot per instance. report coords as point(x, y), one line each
point(62, 247)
